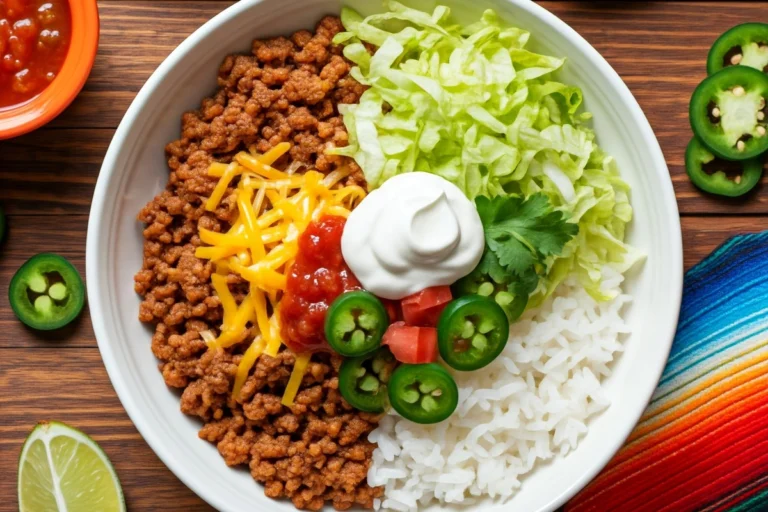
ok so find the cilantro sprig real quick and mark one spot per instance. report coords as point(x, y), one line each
point(520, 234)
point(521, 237)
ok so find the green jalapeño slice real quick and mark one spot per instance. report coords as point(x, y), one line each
point(47, 292)
point(423, 393)
point(743, 45)
point(472, 332)
point(355, 323)
point(512, 297)
point(363, 380)
point(728, 113)
point(718, 176)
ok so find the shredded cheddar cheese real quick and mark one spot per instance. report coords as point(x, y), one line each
point(233, 333)
point(228, 303)
point(273, 208)
point(221, 187)
point(246, 363)
point(273, 346)
point(297, 375)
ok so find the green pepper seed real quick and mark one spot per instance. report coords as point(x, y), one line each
point(367, 321)
point(485, 289)
point(429, 404)
point(479, 341)
point(468, 330)
point(378, 364)
point(359, 372)
point(369, 383)
point(485, 326)
point(37, 283)
point(427, 387)
point(411, 396)
point(358, 337)
point(43, 304)
point(346, 322)
point(504, 298)
point(58, 291)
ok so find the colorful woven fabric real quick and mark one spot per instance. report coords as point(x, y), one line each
point(702, 443)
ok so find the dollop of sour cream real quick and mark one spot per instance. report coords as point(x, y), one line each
point(417, 230)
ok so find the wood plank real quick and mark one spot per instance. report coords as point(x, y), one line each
point(73, 387)
point(702, 235)
point(51, 172)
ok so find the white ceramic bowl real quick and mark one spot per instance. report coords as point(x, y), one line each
point(135, 170)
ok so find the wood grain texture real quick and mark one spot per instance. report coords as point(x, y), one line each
point(51, 172)
point(47, 179)
point(72, 386)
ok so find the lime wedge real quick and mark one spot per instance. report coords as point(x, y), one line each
point(61, 469)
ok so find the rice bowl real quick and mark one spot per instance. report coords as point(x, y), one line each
point(112, 233)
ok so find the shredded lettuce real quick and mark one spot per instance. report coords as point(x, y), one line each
point(472, 105)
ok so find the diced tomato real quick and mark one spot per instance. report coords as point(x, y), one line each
point(424, 308)
point(411, 345)
point(393, 309)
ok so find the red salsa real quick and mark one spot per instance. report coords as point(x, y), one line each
point(34, 39)
point(317, 277)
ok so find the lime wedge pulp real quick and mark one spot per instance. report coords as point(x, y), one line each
point(63, 470)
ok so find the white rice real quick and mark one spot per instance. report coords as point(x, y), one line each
point(531, 404)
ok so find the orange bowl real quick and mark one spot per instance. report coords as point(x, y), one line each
point(41, 109)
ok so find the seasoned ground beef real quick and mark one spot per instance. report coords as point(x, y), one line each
point(316, 451)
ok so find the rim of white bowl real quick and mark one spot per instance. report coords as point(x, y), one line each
point(108, 169)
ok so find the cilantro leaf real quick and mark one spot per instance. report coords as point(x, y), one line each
point(521, 233)
point(489, 266)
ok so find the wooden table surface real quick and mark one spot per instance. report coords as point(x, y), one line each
point(47, 179)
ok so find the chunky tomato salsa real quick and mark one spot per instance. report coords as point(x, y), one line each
point(318, 276)
point(34, 39)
